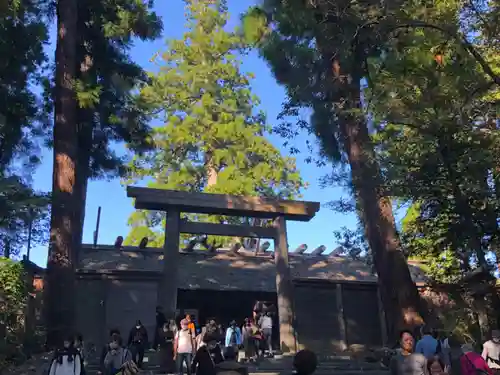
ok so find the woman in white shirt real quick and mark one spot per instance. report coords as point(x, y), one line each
point(67, 360)
point(491, 352)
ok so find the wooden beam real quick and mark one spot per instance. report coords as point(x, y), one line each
point(341, 317)
point(319, 250)
point(284, 288)
point(221, 204)
point(301, 249)
point(381, 315)
point(229, 230)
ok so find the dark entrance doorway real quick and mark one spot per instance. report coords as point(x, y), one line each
point(225, 306)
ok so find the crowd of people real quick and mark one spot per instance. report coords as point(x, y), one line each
point(182, 345)
point(432, 355)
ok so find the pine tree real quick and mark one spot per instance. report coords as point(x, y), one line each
point(318, 51)
point(212, 139)
point(321, 50)
point(103, 111)
point(60, 283)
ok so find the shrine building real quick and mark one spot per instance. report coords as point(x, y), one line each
point(325, 303)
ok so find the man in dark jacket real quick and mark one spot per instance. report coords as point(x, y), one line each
point(137, 342)
point(114, 335)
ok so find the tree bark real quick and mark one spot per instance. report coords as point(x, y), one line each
point(398, 291)
point(60, 280)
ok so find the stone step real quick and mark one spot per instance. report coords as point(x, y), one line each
point(319, 371)
point(364, 367)
point(280, 364)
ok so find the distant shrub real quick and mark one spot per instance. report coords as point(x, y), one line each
point(13, 300)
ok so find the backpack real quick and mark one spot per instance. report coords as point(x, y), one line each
point(211, 333)
point(478, 371)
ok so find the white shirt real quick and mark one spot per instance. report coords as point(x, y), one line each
point(184, 341)
point(266, 322)
point(491, 350)
point(66, 367)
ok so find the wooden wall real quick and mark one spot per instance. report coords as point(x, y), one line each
point(331, 317)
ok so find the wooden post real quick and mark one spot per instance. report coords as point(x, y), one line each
point(381, 314)
point(341, 317)
point(284, 289)
point(167, 288)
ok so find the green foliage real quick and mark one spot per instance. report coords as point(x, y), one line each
point(108, 112)
point(23, 33)
point(434, 109)
point(13, 299)
point(20, 206)
point(212, 139)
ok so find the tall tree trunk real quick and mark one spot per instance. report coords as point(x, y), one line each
point(398, 291)
point(60, 285)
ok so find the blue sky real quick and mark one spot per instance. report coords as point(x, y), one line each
point(111, 195)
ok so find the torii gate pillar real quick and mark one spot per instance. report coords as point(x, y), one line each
point(167, 291)
point(284, 288)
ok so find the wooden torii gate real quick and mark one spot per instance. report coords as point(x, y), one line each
point(176, 202)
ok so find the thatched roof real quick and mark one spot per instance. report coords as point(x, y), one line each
point(225, 270)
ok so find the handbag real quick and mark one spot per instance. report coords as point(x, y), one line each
point(478, 371)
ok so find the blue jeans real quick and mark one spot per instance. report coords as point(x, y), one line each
point(182, 358)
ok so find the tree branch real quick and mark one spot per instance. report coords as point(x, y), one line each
point(461, 39)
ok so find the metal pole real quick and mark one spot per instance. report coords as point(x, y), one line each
point(96, 232)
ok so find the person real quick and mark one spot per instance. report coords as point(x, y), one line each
point(213, 330)
point(491, 352)
point(444, 343)
point(117, 357)
point(247, 332)
point(406, 362)
point(203, 364)
point(436, 366)
point(427, 345)
point(166, 344)
point(80, 347)
point(137, 342)
point(67, 360)
point(191, 325)
point(230, 365)
point(160, 322)
point(183, 348)
point(305, 362)
point(233, 336)
point(114, 334)
point(472, 363)
point(266, 326)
